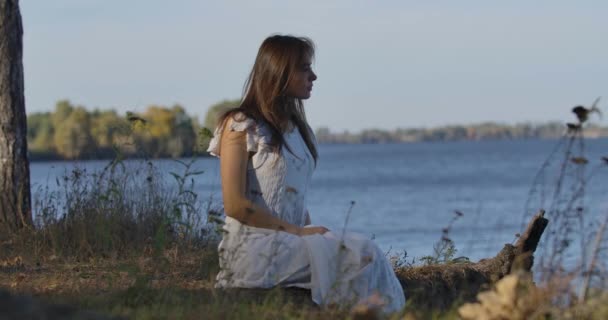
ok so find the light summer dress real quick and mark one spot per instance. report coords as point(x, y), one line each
point(339, 268)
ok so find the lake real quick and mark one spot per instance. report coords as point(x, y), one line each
point(405, 194)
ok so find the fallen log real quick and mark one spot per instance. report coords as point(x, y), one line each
point(440, 286)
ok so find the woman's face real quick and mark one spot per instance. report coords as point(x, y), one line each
point(300, 84)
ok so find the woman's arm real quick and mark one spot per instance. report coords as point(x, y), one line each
point(233, 169)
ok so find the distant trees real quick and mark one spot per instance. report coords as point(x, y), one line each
point(107, 129)
point(482, 131)
point(72, 138)
point(216, 110)
point(40, 132)
point(167, 132)
point(15, 201)
point(72, 132)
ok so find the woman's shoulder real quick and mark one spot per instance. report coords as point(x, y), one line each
point(237, 121)
point(256, 131)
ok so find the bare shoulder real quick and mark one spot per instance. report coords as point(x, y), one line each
point(229, 134)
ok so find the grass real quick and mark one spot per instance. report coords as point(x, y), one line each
point(122, 242)
point(173, 285)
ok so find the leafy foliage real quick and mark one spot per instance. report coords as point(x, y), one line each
point(216, 110)
point(72, 132)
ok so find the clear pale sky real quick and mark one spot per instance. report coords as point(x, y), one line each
point(381, 64)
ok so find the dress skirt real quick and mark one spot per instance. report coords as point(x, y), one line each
point(338, 268)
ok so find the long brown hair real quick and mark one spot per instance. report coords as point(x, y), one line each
point(264, 96)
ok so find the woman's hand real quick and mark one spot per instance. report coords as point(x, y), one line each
point(312, 230)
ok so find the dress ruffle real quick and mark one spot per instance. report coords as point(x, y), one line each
point(257, 135)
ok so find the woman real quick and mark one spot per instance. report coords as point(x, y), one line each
point(267, 155)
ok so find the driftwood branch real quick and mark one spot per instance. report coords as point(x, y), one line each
point(439, 286)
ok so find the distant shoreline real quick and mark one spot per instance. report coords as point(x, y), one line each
point(477, 132)
point(160, 132)
point(55, 158)
point(336, 142)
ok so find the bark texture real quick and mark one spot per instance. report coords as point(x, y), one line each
point(15, 203)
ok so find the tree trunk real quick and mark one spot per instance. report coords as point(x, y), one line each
point(15, 203)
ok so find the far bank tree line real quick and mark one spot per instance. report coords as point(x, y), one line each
point(73, 132)
point(474, 132)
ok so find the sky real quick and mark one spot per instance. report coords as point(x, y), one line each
point(380, 64)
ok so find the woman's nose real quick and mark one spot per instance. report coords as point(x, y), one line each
point(313, 76)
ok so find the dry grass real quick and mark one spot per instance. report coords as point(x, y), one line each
point(179, 285)
point(176, 284)
point(121, 243)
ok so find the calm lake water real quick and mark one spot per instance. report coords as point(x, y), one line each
point(405, 194)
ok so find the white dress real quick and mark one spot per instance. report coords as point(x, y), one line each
point(338, 268)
